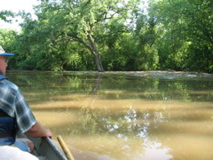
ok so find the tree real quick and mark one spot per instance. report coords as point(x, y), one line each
point(4, 15)
point(186, 33)
point(84, 21)
point(146, 35)
point(6, 36)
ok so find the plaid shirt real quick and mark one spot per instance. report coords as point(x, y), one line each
point(13, 103)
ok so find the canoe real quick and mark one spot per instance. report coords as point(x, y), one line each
point(45, 149)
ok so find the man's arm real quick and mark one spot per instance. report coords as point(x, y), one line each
point(37, 130)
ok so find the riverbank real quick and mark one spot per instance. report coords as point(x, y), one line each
point(151, 74)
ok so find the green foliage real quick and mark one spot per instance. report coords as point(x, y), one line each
point(114, 35)
point(7, 37)
point(186, 42)
point(4, 15)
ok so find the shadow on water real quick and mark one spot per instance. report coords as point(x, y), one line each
point(134, 116)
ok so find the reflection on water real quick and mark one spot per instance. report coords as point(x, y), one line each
point(120, 116)
point(155, 150)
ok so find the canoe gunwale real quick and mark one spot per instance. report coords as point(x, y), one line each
point(46, 149)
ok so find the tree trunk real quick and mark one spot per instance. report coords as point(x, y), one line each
point(94, 50)
point(98, 62)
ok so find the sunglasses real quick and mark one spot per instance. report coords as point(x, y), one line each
point(6, 60)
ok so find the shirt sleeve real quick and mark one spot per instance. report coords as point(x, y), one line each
point(24, 116)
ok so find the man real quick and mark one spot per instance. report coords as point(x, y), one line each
point(15, 113)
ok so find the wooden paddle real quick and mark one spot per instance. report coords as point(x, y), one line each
point(65, 148)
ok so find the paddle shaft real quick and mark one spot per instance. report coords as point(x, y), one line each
point(65, 148)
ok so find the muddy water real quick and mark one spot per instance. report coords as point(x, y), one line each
point(125, 116)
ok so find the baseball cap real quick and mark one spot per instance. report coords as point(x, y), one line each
point(2, 52)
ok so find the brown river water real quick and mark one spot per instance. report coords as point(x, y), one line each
point(124, 115)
